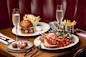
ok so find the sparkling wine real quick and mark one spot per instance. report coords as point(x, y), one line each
point(16, 19)
point(59, 15)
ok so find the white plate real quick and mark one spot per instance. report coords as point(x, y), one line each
point(10, 48)
point(53, 26)
point(45, 28)
point(37, 43)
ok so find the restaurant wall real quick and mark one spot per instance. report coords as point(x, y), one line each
point(76, 10)
point(81, 14)
point(4, 19)
point(25, 7)
point(44, 8)
point(11, 4)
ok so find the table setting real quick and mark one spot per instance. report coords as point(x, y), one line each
point(59, 37)
point(55, 35)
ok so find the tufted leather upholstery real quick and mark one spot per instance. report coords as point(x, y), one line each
point(80, 53)
point(76, 10)
point(4, 19)
point(44, 8)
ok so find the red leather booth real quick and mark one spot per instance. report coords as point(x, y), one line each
point(75, 10)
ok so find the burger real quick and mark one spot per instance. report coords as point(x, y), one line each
point(26, 26)
point(27, 23)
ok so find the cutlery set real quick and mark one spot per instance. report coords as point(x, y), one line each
point(4, 39)
point(31, 52)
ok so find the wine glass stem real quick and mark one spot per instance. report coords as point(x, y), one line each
point(16, 33)
point(59, 22)
point(72, 29)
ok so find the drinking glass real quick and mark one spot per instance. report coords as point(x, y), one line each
point(59, 13)
point(16, 19)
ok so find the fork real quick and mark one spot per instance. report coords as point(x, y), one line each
point(28, 52)
point(39, 46)
point(32, 49)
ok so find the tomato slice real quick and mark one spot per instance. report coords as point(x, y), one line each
point(49, 41)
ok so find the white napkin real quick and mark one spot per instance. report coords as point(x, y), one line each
point(3, 38)
point(82, 34)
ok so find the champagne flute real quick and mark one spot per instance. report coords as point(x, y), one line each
point(16, 19)
point(59, 13)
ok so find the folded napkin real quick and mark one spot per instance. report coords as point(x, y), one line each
point(4, 39)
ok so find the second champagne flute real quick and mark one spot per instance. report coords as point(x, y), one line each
point(59, 13)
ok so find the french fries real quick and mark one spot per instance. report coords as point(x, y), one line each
point(32, 18)
point(69, 23)
point(73, 23)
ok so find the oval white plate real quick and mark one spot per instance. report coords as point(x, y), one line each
point(45, 28)
point(37, 43)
